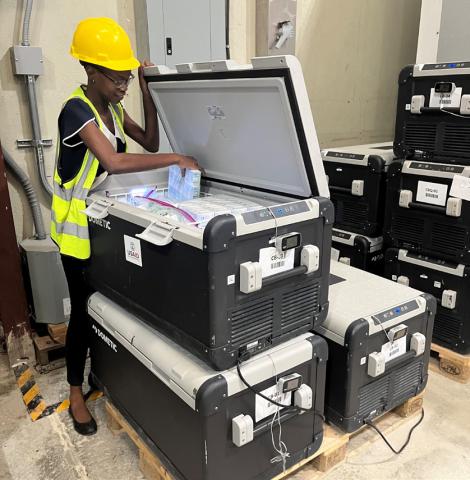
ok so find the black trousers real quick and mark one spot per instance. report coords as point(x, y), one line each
point(78, 332)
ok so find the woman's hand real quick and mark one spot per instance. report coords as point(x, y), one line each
point(143, 84)
point(184, 162)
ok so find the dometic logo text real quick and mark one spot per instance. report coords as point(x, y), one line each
point(104, 337)
point(101, 222)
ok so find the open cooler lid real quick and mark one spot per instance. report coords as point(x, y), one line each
point(247, 125)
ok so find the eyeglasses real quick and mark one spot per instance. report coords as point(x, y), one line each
point(117, 83)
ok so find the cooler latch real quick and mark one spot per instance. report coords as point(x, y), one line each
point(98, 209)
point(158, 233)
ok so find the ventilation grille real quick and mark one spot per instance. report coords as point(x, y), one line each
point(406, 380)
point(447, 327)
point(252, 322)
point(456, 140)
point(393, 389)
point(448, 239)
point(350, 212)
point(373, 396)
point(407, 229)
point(299, 307)
point(420, 136)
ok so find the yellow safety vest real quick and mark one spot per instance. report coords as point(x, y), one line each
point(69, 225)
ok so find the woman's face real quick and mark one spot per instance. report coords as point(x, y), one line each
point(111, 84)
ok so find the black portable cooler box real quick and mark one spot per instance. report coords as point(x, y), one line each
point(448, 282)
point(379, 340)
point(424, 212)
point(254, 275)
point(433, 113)
point(358, 251)
point(356, 177)
point(205, 424)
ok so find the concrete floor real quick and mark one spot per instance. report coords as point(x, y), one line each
point(49, 449)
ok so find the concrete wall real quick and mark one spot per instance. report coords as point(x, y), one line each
point(352, 52)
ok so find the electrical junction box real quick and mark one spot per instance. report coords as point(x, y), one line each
point(48, 292)
point(27, 60)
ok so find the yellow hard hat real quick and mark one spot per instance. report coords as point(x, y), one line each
point(104, 42)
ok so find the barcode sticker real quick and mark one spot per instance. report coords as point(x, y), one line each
point(445, 100)
point(272, 261)
point(264, 408)
point(394, 349)
point(433, 193)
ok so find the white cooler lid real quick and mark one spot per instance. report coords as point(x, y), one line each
point(354, 294)
point(249, 125)
point(359, 154)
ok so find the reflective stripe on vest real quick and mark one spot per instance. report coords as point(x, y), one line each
point(69, 225)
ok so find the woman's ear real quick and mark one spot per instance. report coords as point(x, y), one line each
point(91, 73)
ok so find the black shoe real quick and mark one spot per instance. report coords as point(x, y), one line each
point(86, 428)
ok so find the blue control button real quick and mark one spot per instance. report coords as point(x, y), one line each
point(397, 310)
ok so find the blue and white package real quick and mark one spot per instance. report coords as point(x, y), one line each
point(183, 188)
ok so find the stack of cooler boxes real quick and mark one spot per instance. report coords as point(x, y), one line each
point(181, 305)
point(428, 210)
point(356, 177)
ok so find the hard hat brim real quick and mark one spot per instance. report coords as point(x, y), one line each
point(118, 65)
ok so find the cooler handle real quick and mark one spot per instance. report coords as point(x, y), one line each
point(97, 209)
point(158, 234)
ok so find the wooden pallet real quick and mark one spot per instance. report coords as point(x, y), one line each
point(333, 449)
point(49, 353)
point(451, 364)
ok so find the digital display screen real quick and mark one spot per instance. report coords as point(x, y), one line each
point(401, 333)
point(291, 242)
point(293, 384)
point(443, 87)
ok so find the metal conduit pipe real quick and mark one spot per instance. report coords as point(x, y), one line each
point(27, 18)
point(30, 193)
point(33, 106)
point(36, 127)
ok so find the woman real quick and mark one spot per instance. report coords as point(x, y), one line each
point(92, 129)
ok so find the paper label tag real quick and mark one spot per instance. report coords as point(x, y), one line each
point(132, 250)
point(334, 254)
point(394, 349)
point(273, 261)
point(434, 193)
point(460, 187)
point(264, 409)
point(445, 100)
point(67, 306)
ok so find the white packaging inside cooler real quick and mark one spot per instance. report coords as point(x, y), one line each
point(198, 211)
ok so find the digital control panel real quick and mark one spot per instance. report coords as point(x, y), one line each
point(442, 66)
point(349, 156)
point(278, 211)
point(344, 235)
point(395, 312)
point(436, 167)
point(434, 261)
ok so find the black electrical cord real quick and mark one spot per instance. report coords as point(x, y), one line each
point(293, 407)
point(396, 452)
